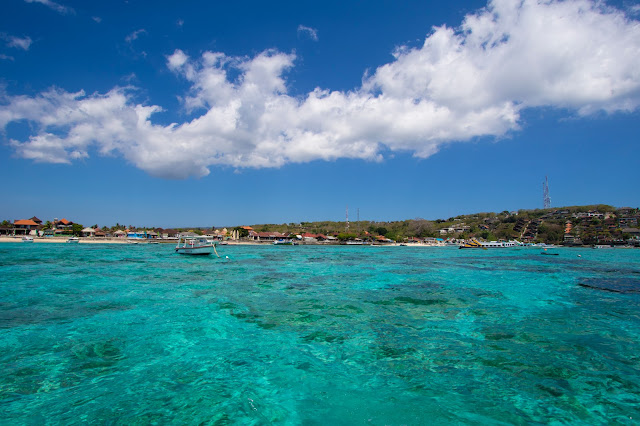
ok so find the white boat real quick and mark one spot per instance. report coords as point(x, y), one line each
point(73, 240)
point(498, 244)
point(195, 245)
point(284, 243)
point(27, 239)
point(357, 242)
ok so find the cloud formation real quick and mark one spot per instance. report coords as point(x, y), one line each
point(310, 32)
point(134, 35)
point(460, 84)
point(19, 42)
point(55, 6)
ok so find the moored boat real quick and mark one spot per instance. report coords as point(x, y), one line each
point(473, 243)
point(195, 245)
point(499, 244)
point(27, 239)
point(73, 240)
point(285, 243)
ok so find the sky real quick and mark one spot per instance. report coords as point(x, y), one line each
point(201, 113)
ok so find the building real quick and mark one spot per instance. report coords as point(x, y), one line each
point(24, 227)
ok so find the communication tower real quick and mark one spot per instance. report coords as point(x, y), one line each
point(545, 193)
point(347, 227)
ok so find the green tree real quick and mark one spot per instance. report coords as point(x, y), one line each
point(381, 230)
point(344, 236)
point(241, 232)
point(76, 229)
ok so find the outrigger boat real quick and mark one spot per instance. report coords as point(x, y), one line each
point(195, 245)
point(473, 243)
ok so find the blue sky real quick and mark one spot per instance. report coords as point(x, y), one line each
point(226, 113)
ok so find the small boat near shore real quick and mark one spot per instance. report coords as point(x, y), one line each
point(27, 239)
point(73, 240)
point(285, 243)
point(195, 246)
point(473, 243)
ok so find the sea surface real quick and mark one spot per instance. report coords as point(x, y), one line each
point(312, 335)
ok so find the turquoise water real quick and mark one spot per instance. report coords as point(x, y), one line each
point(134, 334)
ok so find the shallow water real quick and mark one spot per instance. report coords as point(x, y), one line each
point(134, 334)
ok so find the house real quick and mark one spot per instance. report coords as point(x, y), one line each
point(383, 239)
point(626, 211)
point(571, 240)
point(634, 232)
point(266, 236)
point(24, 227)
point(88, 232)
point(568, 227)
point(628, 222)
point(167, 233)
point(6, 230)
point(308, 237)
point(62, 226)
point(433, 241)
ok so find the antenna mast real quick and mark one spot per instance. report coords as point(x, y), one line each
point(347, 228)
point(545, 193)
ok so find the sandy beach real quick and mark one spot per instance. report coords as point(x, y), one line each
point(84, 240)
point(59, 240)
point(47, 240)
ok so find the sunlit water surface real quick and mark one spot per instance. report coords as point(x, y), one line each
point(135, 334)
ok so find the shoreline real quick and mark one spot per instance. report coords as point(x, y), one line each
point(85, 240)
point(124, 241)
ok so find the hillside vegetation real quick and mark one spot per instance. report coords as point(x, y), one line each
point(539, 225)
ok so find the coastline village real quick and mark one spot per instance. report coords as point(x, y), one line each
point(570, 226)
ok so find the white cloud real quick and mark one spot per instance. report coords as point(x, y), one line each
point(134, 35)
point(6, 57)
point(19, 42)
point(97, 19)
point(55, 6)
point(176, 60)
point(310, 32)
point(460, 84)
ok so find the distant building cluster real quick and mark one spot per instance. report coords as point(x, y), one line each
point(568, 226)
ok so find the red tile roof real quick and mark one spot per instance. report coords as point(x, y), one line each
point(65, 222)
point(25, 222)
point(270, 234)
